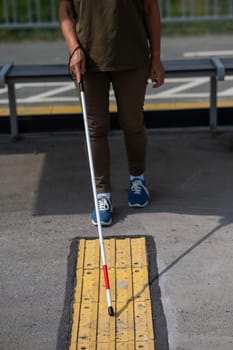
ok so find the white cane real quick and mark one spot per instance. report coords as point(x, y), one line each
point(93, 182)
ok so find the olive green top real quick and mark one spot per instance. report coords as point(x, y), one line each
point(112, 34)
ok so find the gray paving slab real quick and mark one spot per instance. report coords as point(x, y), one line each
point(45, 201)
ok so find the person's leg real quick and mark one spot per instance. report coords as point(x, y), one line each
point(96, 87)
point(129, 87)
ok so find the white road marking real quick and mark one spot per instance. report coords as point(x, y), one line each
point(191, 84)
point(52, 92)
point(3, 91)
point(182, 95)
point(208, 53)
point(179, 91)
point(227, 92)
point(45, 84)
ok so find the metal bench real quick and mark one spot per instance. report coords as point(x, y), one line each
point(11, 74)
point(213, 67)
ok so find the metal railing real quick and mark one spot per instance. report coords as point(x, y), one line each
point(195, 10)
point(23, 14)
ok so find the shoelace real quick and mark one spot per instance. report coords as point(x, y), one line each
point(103, 204)
point(137, 186)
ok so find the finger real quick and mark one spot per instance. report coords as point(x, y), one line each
point(78, 75)
point(157, 79)
point(83, 67)
point(76, 71)
point(158, 82)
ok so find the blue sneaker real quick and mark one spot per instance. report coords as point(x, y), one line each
point(105, 210)
point(138, 196)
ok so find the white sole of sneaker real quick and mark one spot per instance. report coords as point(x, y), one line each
point(102, 223)
point(138, 205)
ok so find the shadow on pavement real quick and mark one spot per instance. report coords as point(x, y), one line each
point(187, 174)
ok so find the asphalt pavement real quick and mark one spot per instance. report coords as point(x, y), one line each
point(45, 205)
point(50, 52)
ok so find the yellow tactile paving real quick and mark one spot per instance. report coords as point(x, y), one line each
point(131, 328)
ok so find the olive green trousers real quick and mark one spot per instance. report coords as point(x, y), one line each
point(129, 88)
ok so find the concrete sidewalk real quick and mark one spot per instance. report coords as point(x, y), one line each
point(45, 204)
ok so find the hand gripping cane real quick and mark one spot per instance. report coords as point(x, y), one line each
point(92, 173)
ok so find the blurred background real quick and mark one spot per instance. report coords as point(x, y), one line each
point(30, 34)
point(178, 17)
